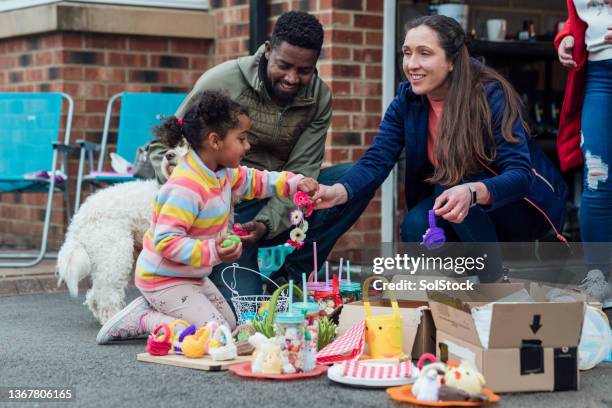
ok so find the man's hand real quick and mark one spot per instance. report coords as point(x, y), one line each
point(256, 231)
point(565, 52)
point(330, 196)
point(231, 253)
point(608, 36)
point(308, 185)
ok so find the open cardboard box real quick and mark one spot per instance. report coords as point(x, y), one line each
point(533, 346)
point(415, 320)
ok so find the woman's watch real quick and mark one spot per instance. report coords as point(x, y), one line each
point(474, 196)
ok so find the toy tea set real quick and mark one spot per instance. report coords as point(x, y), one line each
point(286, 343)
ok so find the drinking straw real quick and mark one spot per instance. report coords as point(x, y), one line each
point(304, 285)
point(314, 250)
point(290, 294)
point(327, 272)
point(340, 270)
point(348, 271)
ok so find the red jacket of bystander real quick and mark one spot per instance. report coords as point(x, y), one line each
point(568, 139)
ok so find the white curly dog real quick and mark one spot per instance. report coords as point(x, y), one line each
point(104, 239)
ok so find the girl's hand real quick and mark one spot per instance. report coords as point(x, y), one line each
point(231, 253)
point(328, 197)
point(566, 47)
point(453, 204)
point(308, 185)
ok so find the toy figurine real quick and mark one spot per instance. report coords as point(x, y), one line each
point(194, 346)
point(427, 386)
point(221, 349)
point(464, 377)
point(266, 357)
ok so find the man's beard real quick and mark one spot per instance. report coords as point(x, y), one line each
point(284, 97)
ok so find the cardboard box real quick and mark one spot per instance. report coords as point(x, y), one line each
point(425, 339)
point(411, 312)
point(533, 346)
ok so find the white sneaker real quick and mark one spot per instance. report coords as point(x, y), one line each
point(125, 324)
point(595, 285)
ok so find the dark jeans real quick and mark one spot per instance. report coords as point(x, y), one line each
point(513, 222)
point(325, 227)
point(596, 202)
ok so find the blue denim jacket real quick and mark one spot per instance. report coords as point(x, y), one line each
point(522, 169)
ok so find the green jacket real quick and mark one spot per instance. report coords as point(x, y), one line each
point(282, 138)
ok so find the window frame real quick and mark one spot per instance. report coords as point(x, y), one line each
point(9, 5)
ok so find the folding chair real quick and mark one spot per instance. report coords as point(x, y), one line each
point(138, 114)
point(30, 125)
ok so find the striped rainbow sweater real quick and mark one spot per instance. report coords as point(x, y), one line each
point(191, 213)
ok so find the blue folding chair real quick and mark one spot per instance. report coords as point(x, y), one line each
point(138, 114)
point(29, 147)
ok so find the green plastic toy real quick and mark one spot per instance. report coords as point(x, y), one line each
point(230, 239)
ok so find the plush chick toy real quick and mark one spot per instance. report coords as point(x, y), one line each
point(464, 377)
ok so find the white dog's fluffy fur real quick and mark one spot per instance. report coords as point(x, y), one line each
point(102, 241)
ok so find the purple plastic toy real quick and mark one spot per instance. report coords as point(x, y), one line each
point(434, 236)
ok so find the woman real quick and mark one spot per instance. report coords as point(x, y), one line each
point(585, 46)
point(467, 149)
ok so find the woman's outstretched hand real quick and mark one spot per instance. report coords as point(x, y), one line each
point(329, 196)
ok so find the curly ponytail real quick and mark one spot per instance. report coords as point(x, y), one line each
point(208, 111)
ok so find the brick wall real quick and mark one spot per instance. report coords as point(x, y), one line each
point(91, 68)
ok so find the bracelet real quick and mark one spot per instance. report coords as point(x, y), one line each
point(474, 200)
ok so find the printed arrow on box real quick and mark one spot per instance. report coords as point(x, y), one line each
point(535, 325)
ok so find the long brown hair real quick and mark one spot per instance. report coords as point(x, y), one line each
point(466, 127)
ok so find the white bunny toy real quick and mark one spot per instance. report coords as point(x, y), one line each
point(427, 386)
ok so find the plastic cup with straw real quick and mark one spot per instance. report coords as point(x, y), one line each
point(311, 313)
point(290, 333)
point(349, 291)
point(314, 285)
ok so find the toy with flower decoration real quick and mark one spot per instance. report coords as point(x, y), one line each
point(270, 259)
point(298, 219)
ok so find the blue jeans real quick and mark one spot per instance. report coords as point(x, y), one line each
point(596, 204)
point(505, 224)
point(325, 227)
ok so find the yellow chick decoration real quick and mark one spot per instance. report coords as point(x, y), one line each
point(263, 309)
point(464, 377)
point(194, 346)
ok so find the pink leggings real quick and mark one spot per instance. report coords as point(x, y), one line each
point(196, 304)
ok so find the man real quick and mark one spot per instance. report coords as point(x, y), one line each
point(290, 109)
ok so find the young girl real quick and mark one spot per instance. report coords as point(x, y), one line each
point(190, 218)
